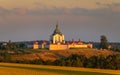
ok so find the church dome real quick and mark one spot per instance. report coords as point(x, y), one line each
point(57, 31)
point(57, 36)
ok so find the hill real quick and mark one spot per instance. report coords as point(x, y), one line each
point(54, 55)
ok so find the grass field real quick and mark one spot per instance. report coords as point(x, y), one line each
point(27, 69)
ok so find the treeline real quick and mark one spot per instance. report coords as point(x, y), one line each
point(12, 45)
point(115, 48)
point(109, 62)
point(101, 62)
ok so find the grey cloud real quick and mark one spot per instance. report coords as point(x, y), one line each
point(108, 5)
point(19, 11)
point(116, 4)
point(98, 3)
point(98, 13)
point(103, 13)
point(104, 4)
point(4, 11)
point(78, 11)
point(46, 11)
point(23, 11)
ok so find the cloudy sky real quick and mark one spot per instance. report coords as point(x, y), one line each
point(36, 19)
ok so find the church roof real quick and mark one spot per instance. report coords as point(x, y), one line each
point(57, 30)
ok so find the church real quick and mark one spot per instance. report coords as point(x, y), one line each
point(57, 36)
point(57, 42)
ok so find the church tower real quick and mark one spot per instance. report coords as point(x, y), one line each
point(57, 36)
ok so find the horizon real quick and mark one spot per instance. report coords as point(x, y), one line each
point(36, 19)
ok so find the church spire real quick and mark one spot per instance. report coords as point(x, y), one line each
point(57, 28)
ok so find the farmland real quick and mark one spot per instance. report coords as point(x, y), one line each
point(27, 69)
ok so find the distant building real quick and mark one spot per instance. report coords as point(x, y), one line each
point(44, 44)
point(79, 44)
point(57, 36)
point(57, 42)
point(36, 45)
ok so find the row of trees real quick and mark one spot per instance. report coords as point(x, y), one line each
point(109, 62)
point(12, 46)
point(102, 62)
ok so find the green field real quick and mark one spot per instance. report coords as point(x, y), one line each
point(26, 69)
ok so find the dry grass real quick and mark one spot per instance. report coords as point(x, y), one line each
point(17, 71)
point(53, 55)
point(32, 72)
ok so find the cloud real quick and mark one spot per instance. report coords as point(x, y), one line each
point(104, 5)
point(116, 4)
point(14, 11)
point(98, 3)
point(19, 11)
point(116, 7)
point(3, 11)
point(101, 13)
point(112, 6)
point(46, 11)
point(25, 11)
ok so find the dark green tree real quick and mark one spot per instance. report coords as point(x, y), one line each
point(104, 42)
point(92, 62)
point(11, 46)
point(22, 46)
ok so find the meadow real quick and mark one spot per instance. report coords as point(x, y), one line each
point(28, 69)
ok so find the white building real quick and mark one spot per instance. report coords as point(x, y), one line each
point(57, 36)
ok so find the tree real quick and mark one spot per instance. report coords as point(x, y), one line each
point(11, 46)
point(104, 43)
point(92, 62)
point(22, 46)
point(110, 62)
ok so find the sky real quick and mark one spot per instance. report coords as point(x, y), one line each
point(26, 20)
